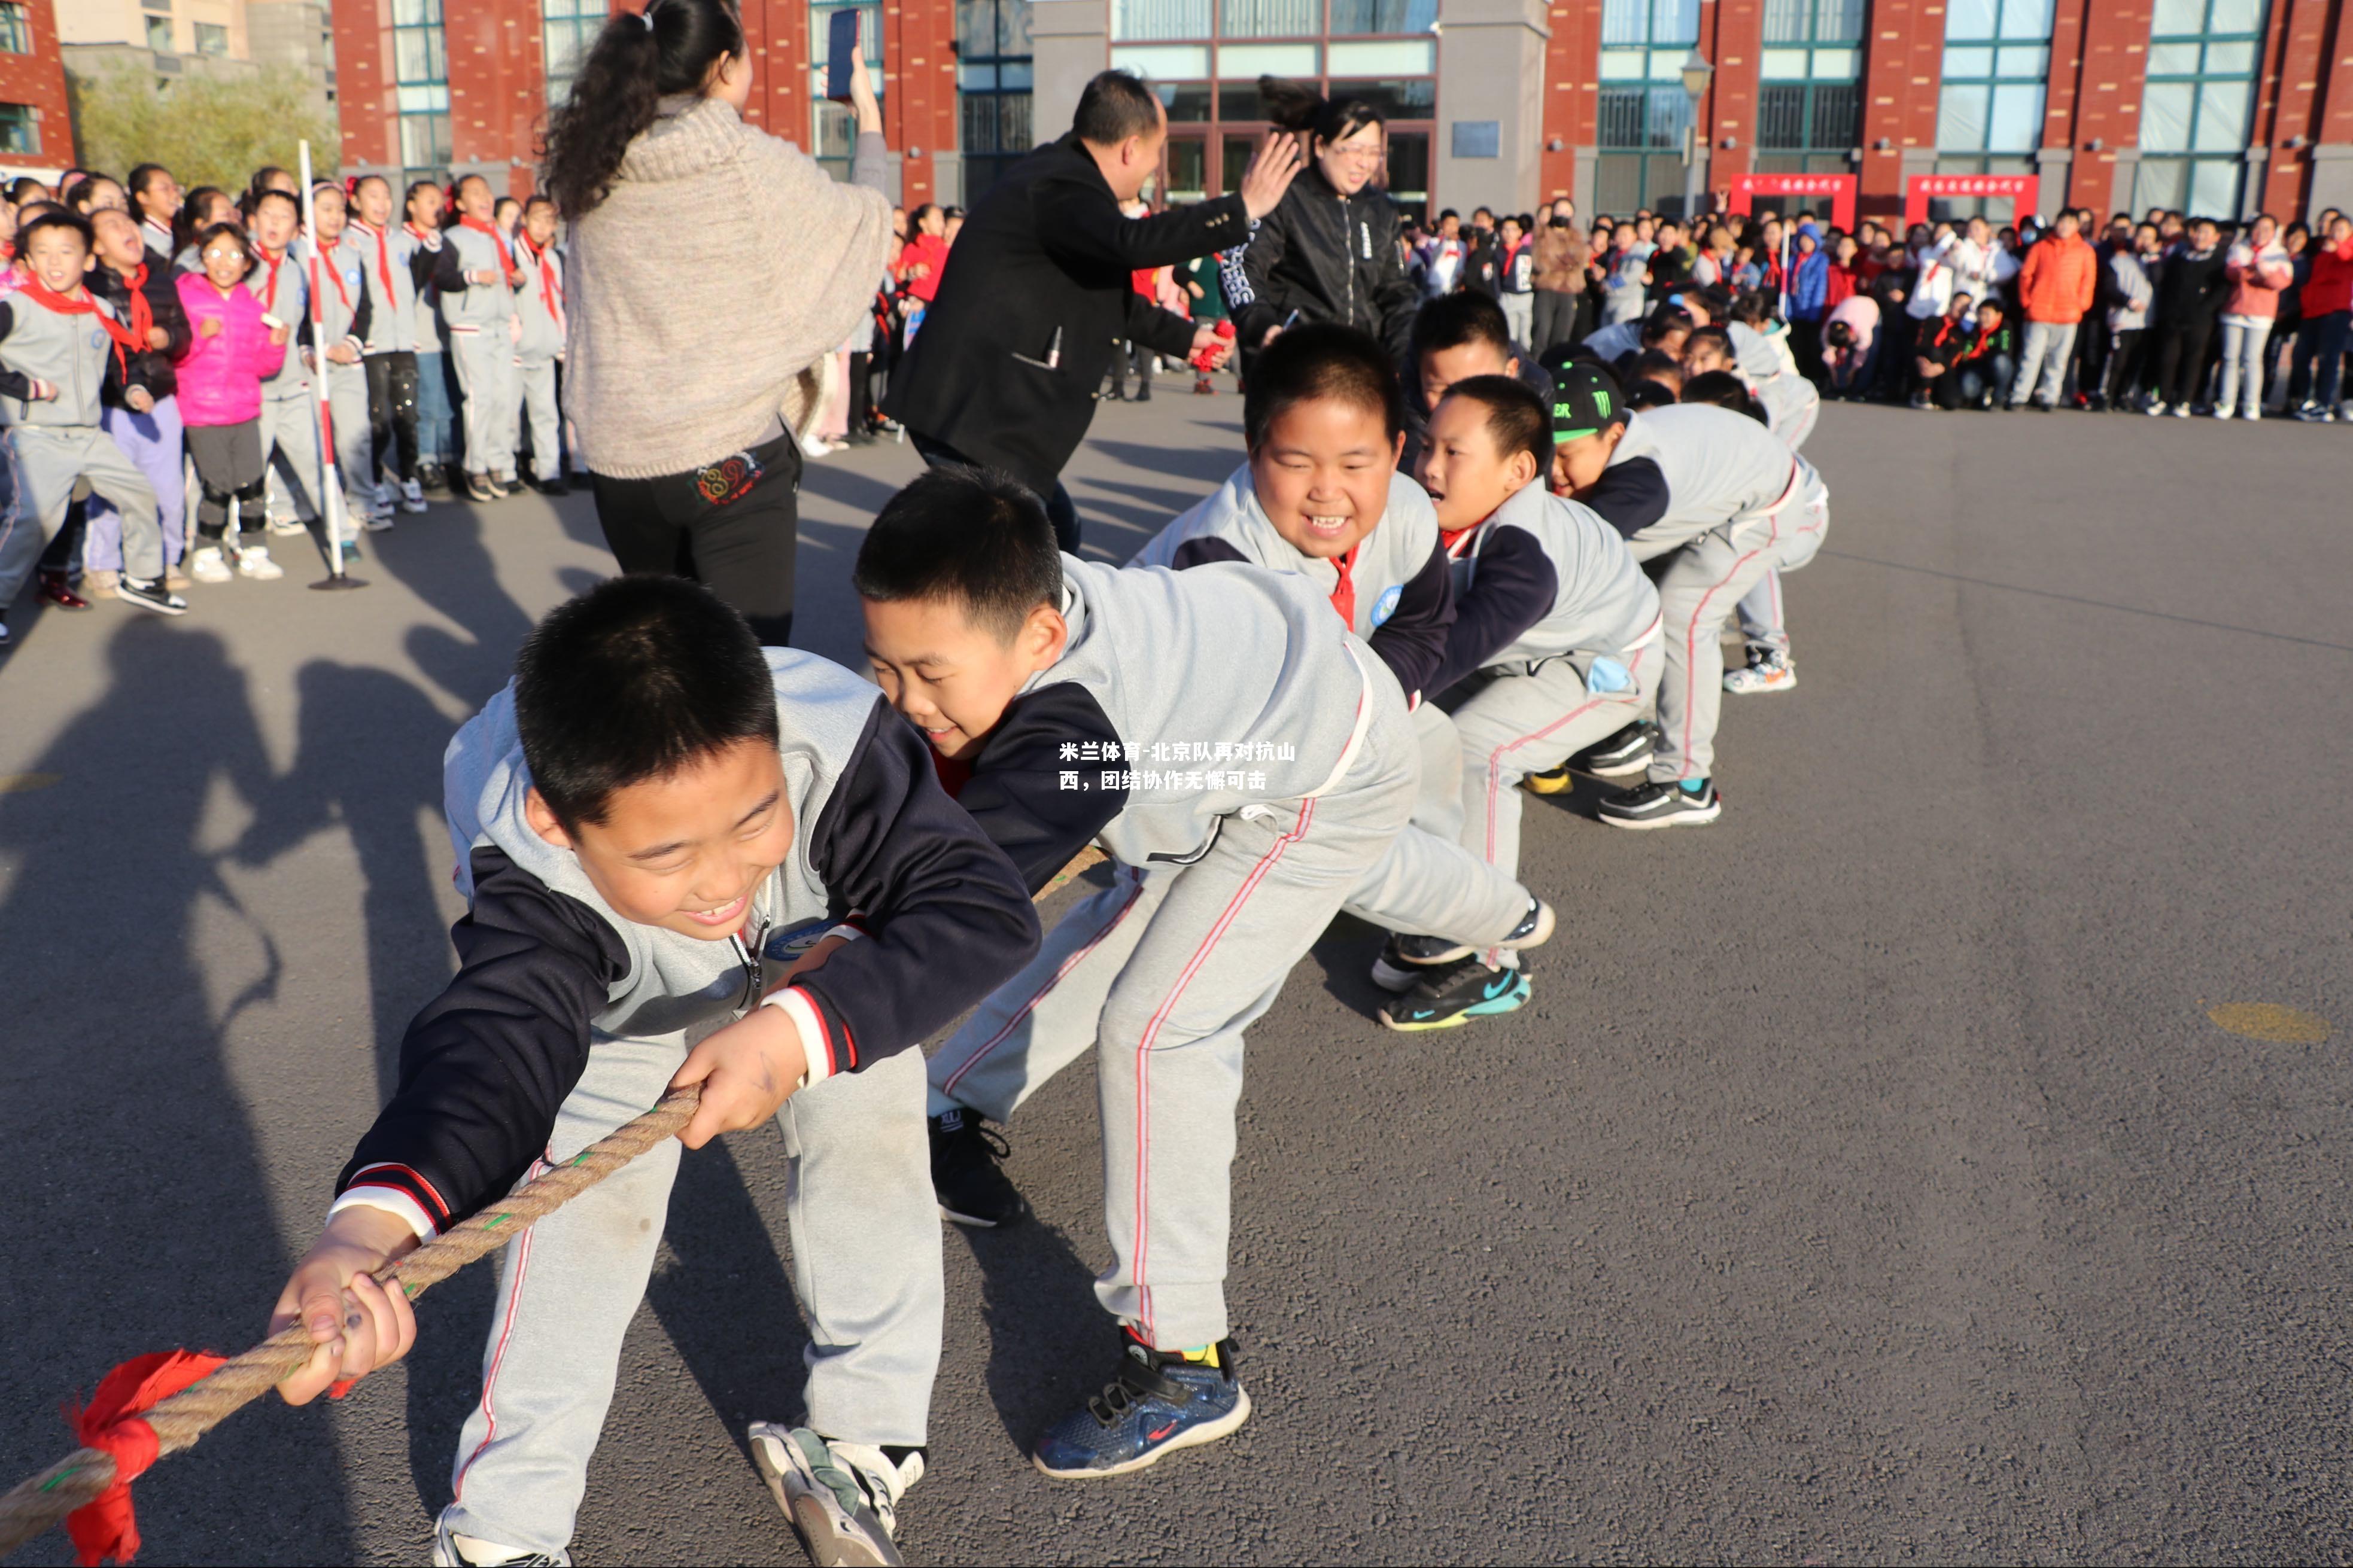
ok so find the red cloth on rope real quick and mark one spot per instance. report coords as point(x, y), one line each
point(110, 1423)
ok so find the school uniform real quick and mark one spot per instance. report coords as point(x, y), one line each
point(436, 413)
point(56, 442)
point(1395, 591)
point(1247, 762)
point(539, 306)
point(1715, 490)
point(291, 451)
point(390, 261)
point(1790, 402)
point(566, 1020)
point(346, 318)
point(152, 440)
point(1554, 645)
point(480, 321)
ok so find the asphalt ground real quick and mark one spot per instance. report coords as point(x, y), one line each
point(1869, 1180)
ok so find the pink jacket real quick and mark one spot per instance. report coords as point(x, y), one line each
point(220, 379)
point(2257, 279)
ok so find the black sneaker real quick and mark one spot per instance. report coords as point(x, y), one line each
point(150, 594)
point(1451, 997)
point(1403, 956)
point(1658, 804)
point(967, 1172)
point(1618, 756)
point(551, 486)
point(477, 488)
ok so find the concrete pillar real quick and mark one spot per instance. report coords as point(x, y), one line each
point(1068, 40)
point(1490, 138)
point(2332, 178)
point(2053, 166)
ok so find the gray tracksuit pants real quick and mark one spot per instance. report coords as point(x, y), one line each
point(45, 461)
point(1162, 973)
point(535, 392)
point(866, 1266)
point(486, 376)
point(289, 450)
point(1762, 622)
point(347, 405)
point(1701, 588)
point(1518, 724)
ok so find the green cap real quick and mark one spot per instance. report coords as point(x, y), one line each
point(1586, 401)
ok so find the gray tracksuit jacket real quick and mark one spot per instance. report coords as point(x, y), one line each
point(1543, 578)
point(1129, 739)
point(285, 293)
point(1404, 603)
point(346, 312)
point(74, 353)
point(540, 304)
point(548, 970)
point(1692, 468)
point(476, 307)
point(429, 293)
point(392, 310)
point(1785, 395)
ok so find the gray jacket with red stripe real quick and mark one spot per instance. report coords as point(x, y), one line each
point(1692, 469)
point(548, 970)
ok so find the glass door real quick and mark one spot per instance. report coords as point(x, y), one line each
point(1183, 176)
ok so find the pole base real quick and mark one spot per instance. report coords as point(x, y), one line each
point(326, 584)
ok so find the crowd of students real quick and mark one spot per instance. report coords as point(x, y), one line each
point(2173, 314)
point(437, 330)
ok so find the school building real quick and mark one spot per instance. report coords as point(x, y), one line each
point(2218, 106)
point(36, 130)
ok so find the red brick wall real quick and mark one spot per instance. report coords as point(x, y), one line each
point(1572, 63)
point(1731, 105)
point(498, 86)
point(2314, 97)
point(2105, 91)
point(1903, 67)
point(38, 80)
point(364, 96)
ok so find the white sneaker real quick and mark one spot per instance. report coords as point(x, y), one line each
point(2226, 413)
point(2181, 411)
point(451, 1550)
point(376, 519)
point(288, 527)
point(206, 565)
point(842, 1498)
point(98, 583)
point(2155, 409)
point(1766, 672)
point(412, 496)
point(254, 562)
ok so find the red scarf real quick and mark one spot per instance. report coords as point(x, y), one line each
point(506, 257)
point(128, 341)
point(273, 263)
point(1343, 592)
point(383, 257)
point(334, 276)
point(550, 287)
point(422, 237)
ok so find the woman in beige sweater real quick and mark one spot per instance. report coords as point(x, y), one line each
point(711, 265)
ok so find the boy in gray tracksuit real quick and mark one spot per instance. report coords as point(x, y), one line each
point(57, 357)
point(1556, 631)
point(477, 277)
point(613, 949)
point(539, 306)
point(1713, 488)
point(1246, 763)
point(1791, 403)
point(339, 338)
point(290, 417)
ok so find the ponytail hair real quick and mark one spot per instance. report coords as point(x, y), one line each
point(1295, 106)
point(639, 57)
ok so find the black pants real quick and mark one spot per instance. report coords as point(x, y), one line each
point(862, 394)
point(1060, 510)
point(2181, 360)
point(1555, 320)
point(2124, 369)
point(733, 526)
point(392, 411)
point(1141, 358)
point(1806, 345)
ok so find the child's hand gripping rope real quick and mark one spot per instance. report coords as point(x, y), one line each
point(160, 1405)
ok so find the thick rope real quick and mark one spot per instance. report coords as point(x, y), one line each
point(78, 1479)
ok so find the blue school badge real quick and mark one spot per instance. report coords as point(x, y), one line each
point(1389, 604)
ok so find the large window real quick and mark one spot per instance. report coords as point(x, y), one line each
point(1642, 108)
point(18, 133)
point(158, 34)
point(420, 74)
point(15, 30)
point(1809, 97)
point(1204, 58)
point(212, 39)
point(993, 84)
point(566, 29)
point(2195, 110)
point(1989, 109)
point(834, 127)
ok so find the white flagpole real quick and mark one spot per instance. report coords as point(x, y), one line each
point(330, 504)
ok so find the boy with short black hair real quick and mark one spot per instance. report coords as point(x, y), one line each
point(539, 346)
point(61, 352)
point(477, 276)
point(1321, 496)
point(651, 799)
point(1246, 763)
point(1554, 644)
point(1456, 335)
point(1717, 492)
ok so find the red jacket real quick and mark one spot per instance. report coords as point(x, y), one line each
point(2330, 287)
point(2057, 281)
point(928, 251)
point(1841, 286)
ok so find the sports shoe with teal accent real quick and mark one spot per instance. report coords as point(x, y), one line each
point(842, 1498)
point(1158, 1404)
point(1452, 996)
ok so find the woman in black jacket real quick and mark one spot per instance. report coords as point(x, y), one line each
point(1328, 250)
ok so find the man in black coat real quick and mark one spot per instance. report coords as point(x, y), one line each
point(1039, 291)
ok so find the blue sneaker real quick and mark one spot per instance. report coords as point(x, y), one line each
point(1158, 1404)
point(1449, 997)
